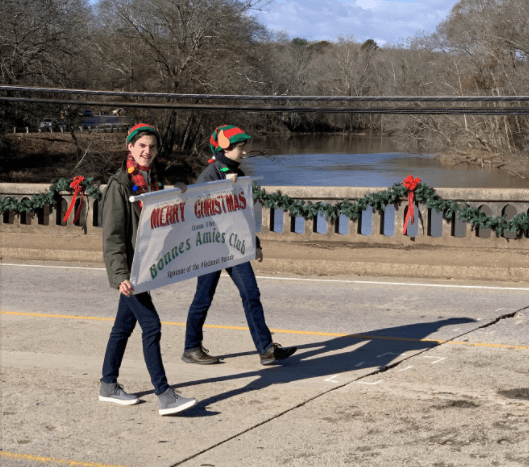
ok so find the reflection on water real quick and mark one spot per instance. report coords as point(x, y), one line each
point(349, 160)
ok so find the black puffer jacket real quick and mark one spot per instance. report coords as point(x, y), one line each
point(213, 171)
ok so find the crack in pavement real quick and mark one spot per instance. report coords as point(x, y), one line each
point(376, 372)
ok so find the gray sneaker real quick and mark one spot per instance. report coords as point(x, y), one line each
point(114, 392)
point(171, 402)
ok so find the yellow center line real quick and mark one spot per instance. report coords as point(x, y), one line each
point(53, 460)
point(289, 331)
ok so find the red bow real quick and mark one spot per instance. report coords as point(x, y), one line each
point(410, 183)
point(76, 185)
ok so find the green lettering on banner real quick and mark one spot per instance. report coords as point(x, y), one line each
point(167, 258)
point(154, 272)
point(160, 264)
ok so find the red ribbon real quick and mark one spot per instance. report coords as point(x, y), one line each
point(76, 185)
point(410, 183)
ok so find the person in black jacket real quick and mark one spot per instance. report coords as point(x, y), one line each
point(227, 143)
point(120, 223)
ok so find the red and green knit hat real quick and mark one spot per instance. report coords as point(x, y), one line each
point(226, 135)
point(142, 127)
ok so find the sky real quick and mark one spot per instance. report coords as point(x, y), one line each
point(384, 21)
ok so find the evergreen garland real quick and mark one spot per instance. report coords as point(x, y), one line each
point(380, 200)
point(51, 196)
point(297, 208)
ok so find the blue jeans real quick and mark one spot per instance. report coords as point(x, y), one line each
point(131, 309)
point(244, 278)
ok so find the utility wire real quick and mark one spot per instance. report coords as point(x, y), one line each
point(272, 98)
point(298, 109)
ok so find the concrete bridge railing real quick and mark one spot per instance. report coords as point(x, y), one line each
point(429, 227)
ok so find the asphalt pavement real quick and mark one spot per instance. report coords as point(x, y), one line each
point(389, 371)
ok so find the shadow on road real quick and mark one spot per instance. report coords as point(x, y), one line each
point(375, 349)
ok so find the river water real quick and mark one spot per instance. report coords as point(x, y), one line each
point(352, 160)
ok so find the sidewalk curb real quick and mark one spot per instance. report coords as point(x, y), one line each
point(316, 267)
point(46, 254)
point(306, 267)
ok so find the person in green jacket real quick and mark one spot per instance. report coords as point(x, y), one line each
point(120, 223)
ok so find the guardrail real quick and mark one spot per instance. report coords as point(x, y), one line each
point(429, 227)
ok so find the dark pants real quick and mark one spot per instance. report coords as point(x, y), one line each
point(131, 309)
point(244, 278)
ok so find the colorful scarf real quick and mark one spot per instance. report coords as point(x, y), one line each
point(140, 185)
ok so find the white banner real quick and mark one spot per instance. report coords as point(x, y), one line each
point(208, 228)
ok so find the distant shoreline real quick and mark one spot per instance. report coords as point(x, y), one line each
point(42, 157)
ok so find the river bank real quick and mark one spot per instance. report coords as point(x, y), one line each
point(367, 160)
point(514, 164)
point(42, 157)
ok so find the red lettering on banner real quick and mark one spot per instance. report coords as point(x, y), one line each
point(219, 204)
point(229, 202)
point(182, 207)
point(242, 200)
point(205, 208)
point(168, 215)
point(154, 218)
point(223, 199)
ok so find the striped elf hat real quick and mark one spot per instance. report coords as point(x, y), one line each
point(224, 136)
point(142, 127)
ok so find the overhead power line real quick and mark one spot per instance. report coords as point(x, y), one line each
point(296, 109)
point(270, 98)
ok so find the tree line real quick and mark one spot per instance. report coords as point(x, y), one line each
point(219, 47)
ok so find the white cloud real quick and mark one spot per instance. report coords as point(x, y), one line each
point(381, 20)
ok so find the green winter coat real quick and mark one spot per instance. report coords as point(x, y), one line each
point(120, 222)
